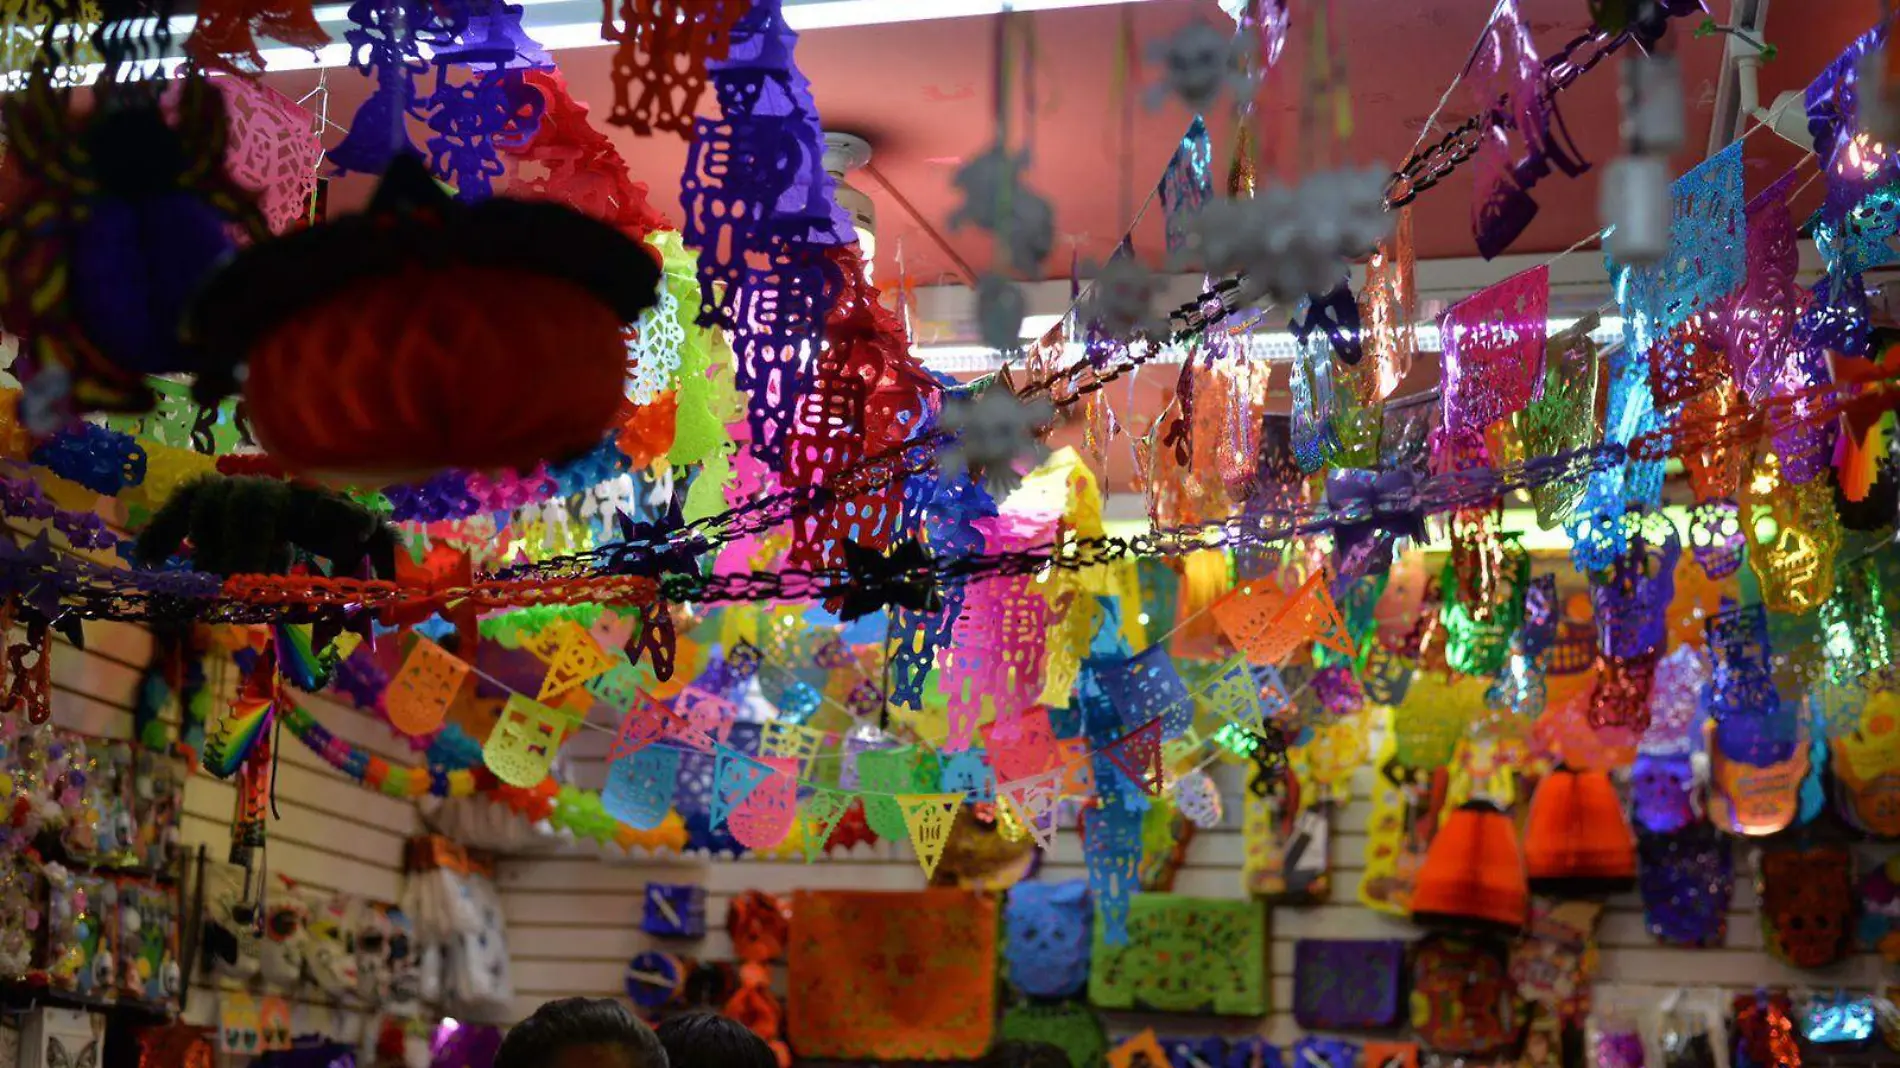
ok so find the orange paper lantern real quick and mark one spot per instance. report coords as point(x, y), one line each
point(426, 334)
point(1578, 842)
point(1473, 875)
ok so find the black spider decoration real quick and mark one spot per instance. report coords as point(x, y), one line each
point(247, 526)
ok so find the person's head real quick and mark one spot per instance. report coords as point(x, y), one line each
point(1018, 1053)
point(707, 1040)
point(581, 1033)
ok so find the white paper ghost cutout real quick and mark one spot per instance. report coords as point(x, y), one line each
point(995, 431)
point(1289, 242)
point(1198, 63)
point(1120, 301)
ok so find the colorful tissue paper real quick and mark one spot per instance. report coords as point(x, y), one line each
point(891, 976)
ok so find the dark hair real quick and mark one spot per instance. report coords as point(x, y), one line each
point(1021, 1053)
point(708, 1040)
point(559, 1025)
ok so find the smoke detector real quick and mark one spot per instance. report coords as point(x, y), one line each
point(845, 153)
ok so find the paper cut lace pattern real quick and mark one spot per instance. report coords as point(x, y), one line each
point(1494, 349)
point(273, 150)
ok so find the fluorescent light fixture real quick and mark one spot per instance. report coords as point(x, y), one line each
point(1273, 346)
point(830, 14)
point(1034, 326)
point(576, 24)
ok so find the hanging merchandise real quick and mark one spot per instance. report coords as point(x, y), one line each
point(1577, 840)
point(1071, 1027)
point(1762, 1032)
point(244, 319)
point(1474, 874)
point(891, 975)
point(1807, 903)
point(1184, 954)
point(1462, 999)
point(1047, 930)
point(1346, 985)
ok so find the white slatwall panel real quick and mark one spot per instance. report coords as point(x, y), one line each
point(573, 922)
point(334, 834)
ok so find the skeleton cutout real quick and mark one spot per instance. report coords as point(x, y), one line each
point(995, 199)
point(233, 941)
point(995, 431)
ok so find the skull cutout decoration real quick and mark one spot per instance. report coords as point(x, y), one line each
point(1198, 63)
point(995, 430)
point(385, 971)
point(1662, 790)
point(330, 958)
point(286, 935)
point(1807, 904)
point(1048, 931)
point(1198, 798)
point(1716, 540)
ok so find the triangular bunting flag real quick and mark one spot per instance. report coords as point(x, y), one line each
point(1275, 702)
point(1314, 614)
point(618, 687)
point(1269, 625)
point(1246, 616)
point(735, 776)
point(819, 815)
point(928, 818)
point(418, 698)
point(1138, 755)
point(648, 721)
point(1180, 750)
point(576, 659)
point(1034, 801)
point(640, 788)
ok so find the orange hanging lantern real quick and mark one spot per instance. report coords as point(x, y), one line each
point(426, 334)
point(1577, 842)
point(1473, 875)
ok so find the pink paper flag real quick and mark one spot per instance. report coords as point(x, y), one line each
point(735, 776)
point(708, 716)
point(1021, 743)
point(764, 816)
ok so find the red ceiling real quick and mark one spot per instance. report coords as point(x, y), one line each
point(921, 92)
